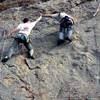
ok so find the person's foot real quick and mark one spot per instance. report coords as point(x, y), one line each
point(31, 57)
point(60, 42)
point(70, 40)
point(5, 59)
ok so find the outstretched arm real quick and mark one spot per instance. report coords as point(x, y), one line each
point(47, 15)
point(51, 15)
point(35, 22)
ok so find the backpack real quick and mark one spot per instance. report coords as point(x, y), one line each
point(65, 22)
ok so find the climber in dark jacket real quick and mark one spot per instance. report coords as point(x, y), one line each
point(66, 26)
point(24, 30)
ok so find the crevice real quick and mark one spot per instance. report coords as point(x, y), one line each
point(29, 90)
point(23, 81)
point(38, 77)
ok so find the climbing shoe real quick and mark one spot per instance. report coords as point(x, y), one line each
point(5, 59)
point(31, 57)
point(69, 40)
point(59, 42)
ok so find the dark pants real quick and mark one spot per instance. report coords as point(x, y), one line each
point(20, 38)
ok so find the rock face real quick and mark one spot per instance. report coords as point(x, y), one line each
point(68, 72)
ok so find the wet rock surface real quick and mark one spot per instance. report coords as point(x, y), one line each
point(68, 72)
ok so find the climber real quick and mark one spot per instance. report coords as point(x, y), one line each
point(23, 31)
point(66, 25)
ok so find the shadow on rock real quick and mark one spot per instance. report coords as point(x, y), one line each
point(41, 45)
point(44, 44)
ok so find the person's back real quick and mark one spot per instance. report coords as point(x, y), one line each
point(66, 22)
point(26, 28)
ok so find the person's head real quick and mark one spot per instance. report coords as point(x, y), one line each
point(67, 18)
point(25, 20)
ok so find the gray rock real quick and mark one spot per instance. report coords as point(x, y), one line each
point(70, 71)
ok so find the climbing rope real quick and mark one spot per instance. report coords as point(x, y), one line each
point(6, 35)
point(95, 25)
point(96, 44)
point(4, 43)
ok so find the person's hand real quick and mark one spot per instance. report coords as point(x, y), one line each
point(47, 15)
point(43, 15)
point(40, 14)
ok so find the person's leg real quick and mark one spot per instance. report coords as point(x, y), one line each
point(61, 37)
point(13, 48)
point(28, 45)
point(69, 33)
point(61, 33)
